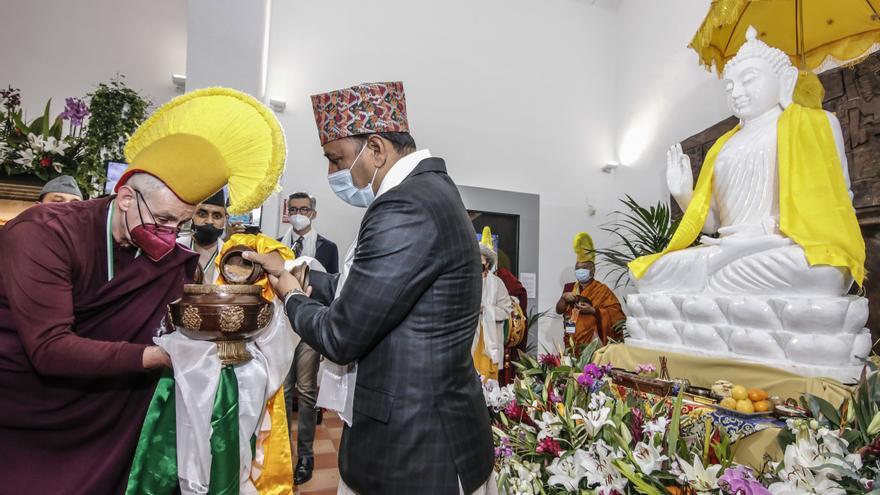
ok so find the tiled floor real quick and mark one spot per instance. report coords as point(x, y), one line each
point(325, 477)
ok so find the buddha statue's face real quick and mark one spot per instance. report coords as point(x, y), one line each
point(752, 87)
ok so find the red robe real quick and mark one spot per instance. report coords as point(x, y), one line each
point(73, 392)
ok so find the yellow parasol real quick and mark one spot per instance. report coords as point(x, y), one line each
point(817, 34)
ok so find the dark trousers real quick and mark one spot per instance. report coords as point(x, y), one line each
point(303, 377)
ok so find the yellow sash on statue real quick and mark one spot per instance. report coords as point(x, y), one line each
point(815, 209)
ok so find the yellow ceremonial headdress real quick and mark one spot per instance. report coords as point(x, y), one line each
point(583, 248)
point(487, 247)
point(205, 139)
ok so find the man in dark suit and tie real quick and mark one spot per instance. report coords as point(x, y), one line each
point(304, 240)
point(407, 307)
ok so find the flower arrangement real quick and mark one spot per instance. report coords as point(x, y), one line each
point(40, 147)
point(562, 428)
point(96, 131)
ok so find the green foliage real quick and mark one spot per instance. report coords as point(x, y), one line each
point(638, 232)
point(116, 111)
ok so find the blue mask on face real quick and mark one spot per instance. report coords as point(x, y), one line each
point(583, 275)
point(342, 184)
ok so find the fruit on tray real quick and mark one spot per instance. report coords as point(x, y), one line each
point(757, 394)
point(747, 401)
point(745, 406)
point(739, 392)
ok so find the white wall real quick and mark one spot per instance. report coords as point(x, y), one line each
point(515, 94)
point(59, 48)
point(664, 95)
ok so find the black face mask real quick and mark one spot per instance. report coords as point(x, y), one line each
point(206, 234)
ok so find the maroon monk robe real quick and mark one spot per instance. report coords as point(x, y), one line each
point(73, 392)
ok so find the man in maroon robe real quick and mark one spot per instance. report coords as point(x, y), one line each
point(77, 364)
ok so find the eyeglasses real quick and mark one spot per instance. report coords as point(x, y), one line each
point(305, 210)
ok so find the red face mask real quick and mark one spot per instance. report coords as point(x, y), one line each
point(155, 240)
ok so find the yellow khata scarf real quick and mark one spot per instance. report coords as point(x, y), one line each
point(815, 209)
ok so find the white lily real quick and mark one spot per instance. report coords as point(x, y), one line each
point(568, 471)
point(596, 420)
point(26, 158)
point(497, 397)
point(658, 426)
point(802, 481)
point(648, 457)
point(52, 145)
point(701, 479)
point(600, 472)
point(598, 400)
point(550, 426)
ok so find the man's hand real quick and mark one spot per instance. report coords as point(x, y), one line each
point(156, 357)
point(272, 263)
point(569, 298)
point(281, 280)
point(585, 308)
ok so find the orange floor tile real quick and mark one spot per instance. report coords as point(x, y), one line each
point(325, 477)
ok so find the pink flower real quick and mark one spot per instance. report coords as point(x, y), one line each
point(549, 360)
point(549, 446)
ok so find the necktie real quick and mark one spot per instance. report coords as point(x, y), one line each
point(298, 247)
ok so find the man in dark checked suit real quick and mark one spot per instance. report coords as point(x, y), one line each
point(407, 309)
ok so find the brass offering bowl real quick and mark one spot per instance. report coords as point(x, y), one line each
point(237, 270)
point(226, 314)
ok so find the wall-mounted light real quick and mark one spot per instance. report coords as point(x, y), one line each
point(179, 81)
point(610, 167)
point(278, 105)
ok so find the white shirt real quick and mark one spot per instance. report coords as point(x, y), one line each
point(206, 263)
point(310, 241)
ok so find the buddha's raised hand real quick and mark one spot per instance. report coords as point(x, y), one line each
point(679, 177)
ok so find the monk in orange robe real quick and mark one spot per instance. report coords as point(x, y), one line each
point(589, 308)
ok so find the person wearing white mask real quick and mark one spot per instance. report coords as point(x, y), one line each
point(589, 308)
point(405, 310)
point(304, 240)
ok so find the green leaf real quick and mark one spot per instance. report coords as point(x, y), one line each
point(674, 426)
point(44, 130)
point(636, 479)
point(825, 408)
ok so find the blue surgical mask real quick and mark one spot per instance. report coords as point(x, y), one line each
point(583, 275)
point(343, 185)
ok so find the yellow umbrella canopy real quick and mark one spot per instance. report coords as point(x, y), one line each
point(817, 34)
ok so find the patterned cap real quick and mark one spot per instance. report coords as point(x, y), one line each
point(363, 109)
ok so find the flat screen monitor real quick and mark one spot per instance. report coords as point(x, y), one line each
point(114, 173)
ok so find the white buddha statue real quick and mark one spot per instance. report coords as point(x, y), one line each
point(771, 286)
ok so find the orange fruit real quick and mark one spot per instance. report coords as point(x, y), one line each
point(757, 394)
point(745, 406)
point(739, 392)
point(763, 406)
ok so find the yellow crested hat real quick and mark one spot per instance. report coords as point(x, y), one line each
point(583, 247)
point(486, 240)
point(205, 139)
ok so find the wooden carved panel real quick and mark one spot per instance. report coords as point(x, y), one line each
point(853, 94)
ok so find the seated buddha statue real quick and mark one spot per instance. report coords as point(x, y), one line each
point(776, 191)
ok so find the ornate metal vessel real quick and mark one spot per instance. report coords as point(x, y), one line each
point(226, 314)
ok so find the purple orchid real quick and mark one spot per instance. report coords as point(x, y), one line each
point(75, 110)
point(741, 481)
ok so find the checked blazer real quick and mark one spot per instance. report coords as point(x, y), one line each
point(407, 314)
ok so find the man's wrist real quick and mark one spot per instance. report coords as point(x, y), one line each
point(291, 293)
